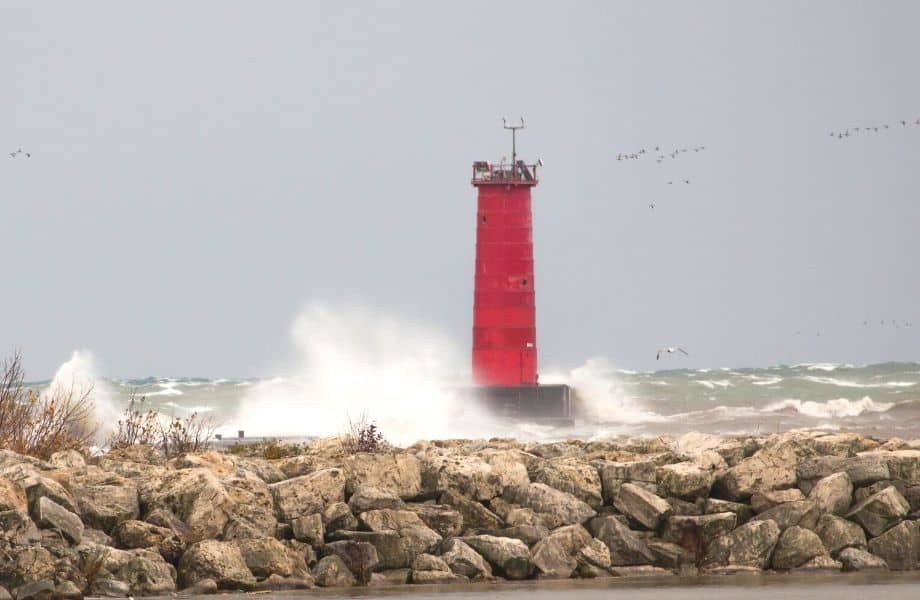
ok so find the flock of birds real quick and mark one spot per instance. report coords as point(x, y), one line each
point(20, 151)
point(661, 154)
point(871, 129)
point(891, 323)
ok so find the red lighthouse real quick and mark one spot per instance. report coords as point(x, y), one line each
point(504, 307)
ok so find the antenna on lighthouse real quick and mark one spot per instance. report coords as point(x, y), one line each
point(514, 129)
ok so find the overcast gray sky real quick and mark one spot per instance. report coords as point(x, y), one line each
point(202, 170)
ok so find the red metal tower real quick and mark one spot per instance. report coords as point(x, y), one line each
point(504, 311)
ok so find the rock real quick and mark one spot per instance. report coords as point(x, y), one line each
point(669, 555)
point(109, 588)
point(338, 516)
point(557, 508)
point(435, 577)
point(854, 559)
point(860, 494)
point(4, 594)
point(250, 510)
point(625, 547)
point(523, 516)
point(833, 494)
point(309, 529)
point(529, 534)
point(899, 546)
point(391, 548)
point(387, 519)
point(331, 571)
point(469, 476)
point(615, 474)
point(750, 545)
point(684, 480)
point(445, 520)
point(640, 571)
point(475, 516)
point(508, 557)
point(367, 497)
point(144, 571)
point(360, 557)
point(769, 469)
point(429, 562)
point(27, 565)
point(418, 539)
point(765, 500)
point(163, 517)
point(397, 474)
point(268, 556)
point(17, 528)
point(573, 477)
point(642, 506)
point(390, 577)
point(200, 588)
point(837, 533)
point(138, 534)
point(12, 497)
point(465, 561)
point(52, 515)
point(790, 513)
point(572, 538)
point(94, 536)
point(195, 496)
point(68, 590)
point(105, 506)
point(684, 508)
point(880, 511)
point(552, 560)
point(697, 533)
point(820, 563)
point(862, 470)
point(904, 465)
point(308, 494)
point(743, 512)
point(221, 561)
point(795, 547)
point(595, 553)
point(277, 583)
point(38, 590)
point(43, 487)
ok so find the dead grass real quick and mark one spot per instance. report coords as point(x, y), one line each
point(173, 436)
point(363, 436)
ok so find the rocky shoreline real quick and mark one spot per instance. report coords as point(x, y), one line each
point(131, 522)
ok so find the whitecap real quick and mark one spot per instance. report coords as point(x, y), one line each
point(713, 383)
point(856, 384)
point(839, 407)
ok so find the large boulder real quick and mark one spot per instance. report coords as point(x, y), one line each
point(463, 560)
point(881, 511)
point(593, 559)
point(833, 494)
point(308, 494)
point(551, 559)
point(38, 487)
point(642, 506)
point(309, 529)
point(837, 534)
point(788, 514)
point(508, 557)
point(796, 546)
point(626, 548)
point(572, 476)
point(899, 546)
point(266, 557)
point(770, 468)
point(764, 500)
point(615, 474)
point(331, 571)
point(144, 571)
point(397, 474)
point(250, 510)
point(51, 515)
point(468, 475)
point(221, 561)
point(360, 557)
point(743, 512)
point(430, 569)
point(27, 564)
point(684, 480)
point(139, 534)
point(447, 521)
point(474, 515)
point(387, 519)
point(367, 497)
point(750, 545)
point(862, 470)
point(854, 559)
point(105, 506)
point(697, 532)
point(557, 508)
point(337, 516)
point(12, 496)
point(904, 465)
point(195, 496)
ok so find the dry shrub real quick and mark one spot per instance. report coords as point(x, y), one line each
point(173, 436)
point(363, 436)
point(40, 424)
point(269, 449)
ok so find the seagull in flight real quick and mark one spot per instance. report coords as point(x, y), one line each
point(669, 350)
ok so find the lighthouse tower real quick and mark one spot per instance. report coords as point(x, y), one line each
point(504, 307)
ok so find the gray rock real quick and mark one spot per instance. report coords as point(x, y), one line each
point(833, 494)
point(795, 547)
point(37, 590)
point(196, 496)
point(860, 494)
point(221, 561)
point(551, 559)
point(399, 474)
point(202, 587)
point(862, 470)
point(572, 476)
point(109, 588)
point(463, 560)
point(308, 494)
point(743, 512)
point(277, 583)
point(139, 534)
point(309, 529)
point(447, 521)
point(595, 554)
point(468, 475)
point(642, 506)
point(360, 557)
point(684, 480)
point(12, 496)
point(51, 515)
point(615, 474)
point(508, 557)
point(429, 562)
point(331, 571)
point(105, 506)
point(750, 545)
point(37, 487)
point(789, 514)
point(821, 563)
point(904, 465)
point(390, 577)
point(436, 577)
point(764, 500)
point(386, 519)
point(475, 516)
point(557, 508)
point(640, 571)
point(854, 559)
point(880, 511)
point(26, 565)
point(144, 571)
point(837, 533)
point(697, 533)
point(625, 547)
point(67, 590)
point(337, 516)
point(668, 555)
point(529, 534)
point(268, 556)
point(899, 546)
point(367, 497)
point(391, 549)
point(768, 469)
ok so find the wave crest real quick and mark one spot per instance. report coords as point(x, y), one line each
point(839, 407)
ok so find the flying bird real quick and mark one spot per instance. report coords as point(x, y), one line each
point(669, 350)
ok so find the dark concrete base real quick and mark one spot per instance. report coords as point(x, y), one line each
point(551, 404)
